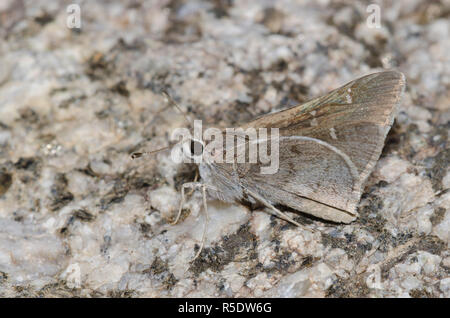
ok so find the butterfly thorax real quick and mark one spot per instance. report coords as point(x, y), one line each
point(224, 178)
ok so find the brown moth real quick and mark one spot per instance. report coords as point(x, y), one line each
point(327, 149)
point(313, 178)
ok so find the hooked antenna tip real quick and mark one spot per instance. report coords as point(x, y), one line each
point(135, 155)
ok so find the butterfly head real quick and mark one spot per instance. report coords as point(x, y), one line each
point(193, 149)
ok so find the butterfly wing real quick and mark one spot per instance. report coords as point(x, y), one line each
point(344, 132)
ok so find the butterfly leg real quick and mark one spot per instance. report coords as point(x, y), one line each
point(195, 180)
point(194, 185)
point(206, 223)
point(183, 187)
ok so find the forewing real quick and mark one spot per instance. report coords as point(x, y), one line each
point(353, 120)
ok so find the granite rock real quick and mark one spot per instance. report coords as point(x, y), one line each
point(78, 217)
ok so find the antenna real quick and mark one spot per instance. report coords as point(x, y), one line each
point(174, 103)
point(136, 155)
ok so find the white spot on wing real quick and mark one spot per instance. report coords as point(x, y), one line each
point(348, 96)
point(313, 121)
point(333, 133)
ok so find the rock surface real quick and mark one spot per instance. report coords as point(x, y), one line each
point(78, 217)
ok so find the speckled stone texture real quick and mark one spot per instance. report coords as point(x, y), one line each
point(78, 217)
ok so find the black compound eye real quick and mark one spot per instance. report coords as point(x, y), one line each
point(196, 148)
